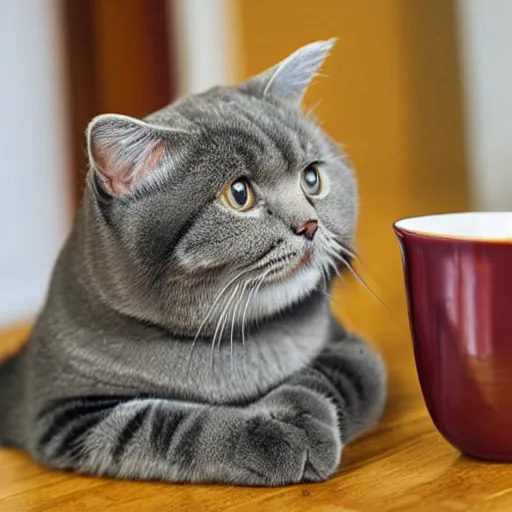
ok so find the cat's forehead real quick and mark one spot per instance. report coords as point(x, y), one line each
point(248, 132)
point(234, 133)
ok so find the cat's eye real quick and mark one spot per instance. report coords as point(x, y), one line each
point(311, 180)
point(238, 195)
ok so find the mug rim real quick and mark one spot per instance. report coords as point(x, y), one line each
point(469, 226)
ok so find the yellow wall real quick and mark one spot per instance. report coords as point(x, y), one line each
point(392, 98)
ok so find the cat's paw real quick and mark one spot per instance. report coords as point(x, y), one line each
point(294, 438)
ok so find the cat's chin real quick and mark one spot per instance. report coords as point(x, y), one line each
point(280, 294)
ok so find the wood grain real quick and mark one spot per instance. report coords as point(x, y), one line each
point(401, 465)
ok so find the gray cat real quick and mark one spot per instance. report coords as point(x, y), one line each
point(187, 334)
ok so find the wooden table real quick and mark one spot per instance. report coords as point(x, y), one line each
point(402, 465)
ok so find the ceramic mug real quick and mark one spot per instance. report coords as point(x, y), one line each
point(458, 276)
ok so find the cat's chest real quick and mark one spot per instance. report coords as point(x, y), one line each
point(229, 372)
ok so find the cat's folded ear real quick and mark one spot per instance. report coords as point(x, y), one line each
point(127, 152)
point(289, 79)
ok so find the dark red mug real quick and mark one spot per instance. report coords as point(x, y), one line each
point(458, 276)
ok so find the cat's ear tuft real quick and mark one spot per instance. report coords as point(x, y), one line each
point(290, 78)
point(125, 151)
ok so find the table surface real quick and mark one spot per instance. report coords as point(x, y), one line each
point(403, 464)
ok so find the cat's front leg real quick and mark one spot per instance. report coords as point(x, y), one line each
point(354, 376)
point(292, 436)
point(295, 433)
point(319, 410)
point(289, 436)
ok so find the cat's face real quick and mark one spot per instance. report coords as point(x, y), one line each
point(230, 199)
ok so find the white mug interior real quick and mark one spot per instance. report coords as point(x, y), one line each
point(467, 225)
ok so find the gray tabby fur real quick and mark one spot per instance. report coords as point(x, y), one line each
point(177, 342)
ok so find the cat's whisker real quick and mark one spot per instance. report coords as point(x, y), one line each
point(338, 246)
point(355, 256)
point(359, 278)
point(212, 351)
point(235, 313)
point(227, 312)
point(340, 243)
point(245, 312)
point(217, 326)
point(347, 252)
point(213, 307)
point(325, 293)
point(325, 274)
point(332, 298)
point(255, 288)
point(334, 267)
point(326, 270)
point(240, 274)
point(261, 281)
point(311, 110)
point(249, 281)
point(221, 323)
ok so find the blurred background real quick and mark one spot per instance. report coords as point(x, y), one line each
point(419, 92)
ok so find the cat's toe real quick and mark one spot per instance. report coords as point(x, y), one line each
point(324, 450)
point(271, 451)
point(317, 417)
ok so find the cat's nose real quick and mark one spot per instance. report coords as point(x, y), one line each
point(308, 229)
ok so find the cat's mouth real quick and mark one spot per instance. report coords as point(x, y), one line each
point(289, 265)
point(306, 257)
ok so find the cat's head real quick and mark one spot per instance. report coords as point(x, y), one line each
point(230, 202)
